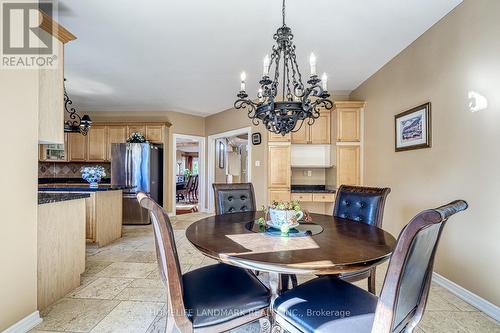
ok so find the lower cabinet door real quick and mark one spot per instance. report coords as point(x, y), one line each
point(304, 197)
point(278, 195)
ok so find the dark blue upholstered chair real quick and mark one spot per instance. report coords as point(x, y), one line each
point(215, 298)
point(234, 198)
point(329, 304)
point(365, 205)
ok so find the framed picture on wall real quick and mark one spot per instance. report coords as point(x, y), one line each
point(413, 128)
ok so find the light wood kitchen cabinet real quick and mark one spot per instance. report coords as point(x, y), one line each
point(348, 165)
point(320, 130)
point(136, 128)
point(77, 147)
point(302, 135)
point(51, 82)
point(154, 133)
point(279, 169)
point(116, 134)
point(348, 124)
point(302, 197)
point(273, 137)
point(97, 144)
point(313, 197)
point(317, 133)
point(323, 197)
point(278, 195)
point(103, 217)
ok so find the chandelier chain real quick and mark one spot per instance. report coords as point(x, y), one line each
point(283, 12)
point(298, 103)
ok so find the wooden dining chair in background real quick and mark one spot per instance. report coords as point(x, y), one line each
point(214, 298)
point(184, 193)
point(365, 205)
point(330, 304)
point(234, 198)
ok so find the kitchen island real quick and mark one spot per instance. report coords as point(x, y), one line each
point(60, 245)
point(103, 209)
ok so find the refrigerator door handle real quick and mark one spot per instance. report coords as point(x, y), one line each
point(127, 165)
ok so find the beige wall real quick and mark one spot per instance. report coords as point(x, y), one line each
point(18, 198)
point(318, 176)
point(233, 119)
point(181, 124)
point(459, 54)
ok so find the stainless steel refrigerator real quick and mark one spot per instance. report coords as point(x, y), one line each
point(139, 167)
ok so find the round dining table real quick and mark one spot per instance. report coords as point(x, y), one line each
point(326, 245)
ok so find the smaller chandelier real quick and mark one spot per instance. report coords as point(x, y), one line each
point(75, 123)
point(298, 103)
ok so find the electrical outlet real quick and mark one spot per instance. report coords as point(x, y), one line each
point(257, 163)
point(309, 173)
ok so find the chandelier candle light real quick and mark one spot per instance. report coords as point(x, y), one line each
point(298, 103)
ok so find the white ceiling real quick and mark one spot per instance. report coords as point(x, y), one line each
point(186, 55)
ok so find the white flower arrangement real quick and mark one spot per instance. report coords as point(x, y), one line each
point(93, 174)
point(136, 137)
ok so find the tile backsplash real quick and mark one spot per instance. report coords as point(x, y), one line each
point(67, 170)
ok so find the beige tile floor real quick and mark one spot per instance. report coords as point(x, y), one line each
point(121, 291)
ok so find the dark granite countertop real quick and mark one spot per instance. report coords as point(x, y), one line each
point(311, 189)
point(79, 188)
point(44, 198)
point(79, 180)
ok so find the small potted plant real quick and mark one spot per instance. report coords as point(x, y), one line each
point(136, 137)
point(284, 215)
point(93, 174)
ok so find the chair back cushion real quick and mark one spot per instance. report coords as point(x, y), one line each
point(234, 198)
point(407, 282)
point(361, 204)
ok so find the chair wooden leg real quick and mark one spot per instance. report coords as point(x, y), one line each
point(371, 282)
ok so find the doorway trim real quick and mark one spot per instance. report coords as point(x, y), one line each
point(211, 160)
point(201, 169)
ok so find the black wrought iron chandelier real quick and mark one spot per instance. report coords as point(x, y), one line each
point(75, 123)
point(298, 103)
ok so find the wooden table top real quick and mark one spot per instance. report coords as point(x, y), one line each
point(343, 245)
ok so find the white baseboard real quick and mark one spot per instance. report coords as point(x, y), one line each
point(26, 324)
point(478, 302)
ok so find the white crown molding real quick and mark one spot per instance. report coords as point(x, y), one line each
point(26, 324)
point(476, 301)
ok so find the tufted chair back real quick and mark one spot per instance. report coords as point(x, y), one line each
point(361, 204)
point(234, 198)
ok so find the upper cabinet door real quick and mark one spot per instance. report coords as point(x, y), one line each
point(302, 135)
point(116, 134)
point(279, 170)
point(136, 128)
point(96, 145)
point(51, 101)
point(77, 147)
point(273, 137)
point(154, 133)
point(348, 125)
point(348, 165)
point(320, 130)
